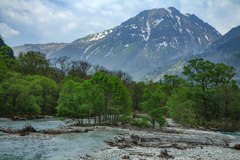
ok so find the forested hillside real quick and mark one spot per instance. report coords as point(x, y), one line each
point(33, 84)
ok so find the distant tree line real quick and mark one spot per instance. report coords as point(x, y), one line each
point(32, 84)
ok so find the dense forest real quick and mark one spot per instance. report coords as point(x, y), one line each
point(31, 85)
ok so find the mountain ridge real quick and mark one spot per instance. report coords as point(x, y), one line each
point(227, 52)
point(150, 39)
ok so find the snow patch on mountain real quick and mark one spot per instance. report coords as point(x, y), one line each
point(174, 27)
point(199, 40)
point(148, 30)
point(178, 19)
point(208, 44)
point(92, 52)
point(180, 30)
point(170, 12)
point(206, 37)
point(157, 22)
point(100, 35)
point(133, 26)
point(164, 44)
point(198, 25)
point(176, 40)
point(87, 49)
point(189, 31)
point(109, 53)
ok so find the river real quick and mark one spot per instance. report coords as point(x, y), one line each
point(63, 146)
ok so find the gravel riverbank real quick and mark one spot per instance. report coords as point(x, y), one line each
point(173, 142)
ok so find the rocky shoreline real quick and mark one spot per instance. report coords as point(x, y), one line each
point(171, 142)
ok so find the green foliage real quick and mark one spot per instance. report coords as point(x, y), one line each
point(142, 122)
point(209, 95)
point(71, 102)
point(46, 92)
point(144, 117)
point(116, 96)
point(153, 103)
point(33, 63)
point(103, 95)
point(9, 62)
point(126, 119)
point(30, 107)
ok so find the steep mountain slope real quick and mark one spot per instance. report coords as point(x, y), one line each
point(151, 39)
point(234, 61)
point(234, 32)
point(227, 53)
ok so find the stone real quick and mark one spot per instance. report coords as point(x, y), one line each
point(237, 147)
point(125, 157)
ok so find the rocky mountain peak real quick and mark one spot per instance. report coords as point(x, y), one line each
point(150, 39)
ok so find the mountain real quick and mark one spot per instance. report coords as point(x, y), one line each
point(234, 60)
point(234, 32)
point(227, 52)
point(151, 39)
point(48, 48)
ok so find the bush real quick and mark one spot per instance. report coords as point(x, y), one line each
point(143, 122)
point(126, 119)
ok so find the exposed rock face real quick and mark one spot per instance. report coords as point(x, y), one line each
point(150, 39)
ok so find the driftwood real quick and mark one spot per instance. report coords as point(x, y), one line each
point(27, 129)
point(164, 154)
point(6, 131)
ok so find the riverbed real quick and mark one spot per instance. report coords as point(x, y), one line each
point(76, 145)
point(62, 146)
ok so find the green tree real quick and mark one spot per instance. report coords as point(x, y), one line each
point(3, 70)
point(201, 72)
point(136, 92)
point(117, 99)
point(9, 62)
point(45, 93)
point(33, 63)
point(228, 100)
point(15, 91)
point(30, 106)
point(71, 102)
point(153, 104)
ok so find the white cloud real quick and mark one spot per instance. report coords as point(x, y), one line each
point(43, 21)
point(7, 31)
point(94, 23)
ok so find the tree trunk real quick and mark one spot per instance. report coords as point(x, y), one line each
point(99, 118)
point(153, 122)
point(205, 109)
point(95, 118)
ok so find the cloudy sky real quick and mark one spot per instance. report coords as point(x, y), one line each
point(46, 21)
